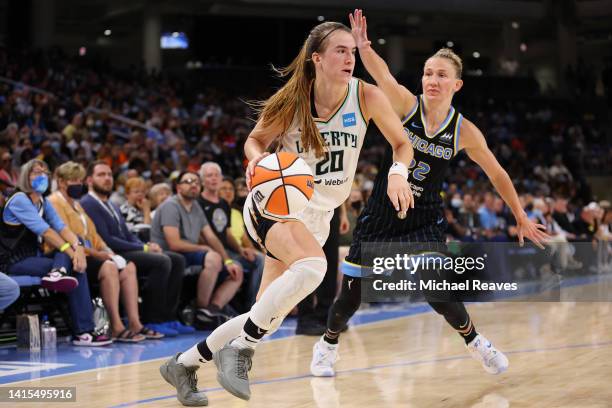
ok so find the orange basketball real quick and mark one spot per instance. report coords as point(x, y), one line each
point(282, 184)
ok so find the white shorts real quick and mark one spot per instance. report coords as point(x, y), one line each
point(258, 224)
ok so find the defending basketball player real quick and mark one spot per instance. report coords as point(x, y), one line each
point(321, 114)
point(438, 133)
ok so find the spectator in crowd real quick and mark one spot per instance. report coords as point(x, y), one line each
point(227, 192)
point(218, 214)
point(28, 217)
point(179, 225)
point(490, 219)
point(75, 126)
point(563, 218)
point(137, 208)
point(116, 276)
point(560, 249)
point(469, 218)
point(164, 271)
point(242, 192)
point(9, 291)
point(157, 195)
point(7, 173)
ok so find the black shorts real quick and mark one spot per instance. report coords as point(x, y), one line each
point(260, 224)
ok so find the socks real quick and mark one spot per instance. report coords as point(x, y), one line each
point(250, 336)
point(331, 337)
point(468, 333)
point(198, 354)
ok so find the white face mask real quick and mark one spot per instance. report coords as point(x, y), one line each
point(456, 203)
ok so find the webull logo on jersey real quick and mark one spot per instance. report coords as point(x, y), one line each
point(431, 149)
point(332, 182)
point(349, 119)
point(334, 138)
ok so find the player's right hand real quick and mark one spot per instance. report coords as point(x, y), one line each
point(250, 171)
point(399, 193)
point(359, 28)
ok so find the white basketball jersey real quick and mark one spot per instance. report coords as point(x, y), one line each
point(343, 134)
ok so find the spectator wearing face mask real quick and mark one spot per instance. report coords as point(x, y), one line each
point(115, 275)
point(28, 219)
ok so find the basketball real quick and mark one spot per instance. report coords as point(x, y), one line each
point(282, 184)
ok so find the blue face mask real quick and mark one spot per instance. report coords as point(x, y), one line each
point(40, 184)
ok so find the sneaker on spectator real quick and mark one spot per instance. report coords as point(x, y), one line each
point(209, 318)
point(59, 281)
point(91, 339)
point(163, 329)
point(210, 312)
point(179, 327)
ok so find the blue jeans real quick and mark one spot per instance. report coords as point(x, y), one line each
point(194, 258)
point(9, 291)
point(79, 300)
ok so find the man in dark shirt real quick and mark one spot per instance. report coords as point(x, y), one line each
point(561, 216)
point(164, 270)
point(218, 213)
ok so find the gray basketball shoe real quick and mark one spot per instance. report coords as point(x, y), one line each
point(233, 366)
point(184, 379)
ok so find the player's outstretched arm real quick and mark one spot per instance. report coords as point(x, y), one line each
point(402, 100)
point(475, 145)
point(379, 109)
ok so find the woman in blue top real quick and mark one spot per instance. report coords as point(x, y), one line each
point(28, 220)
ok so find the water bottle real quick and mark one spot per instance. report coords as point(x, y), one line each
point(48, 334)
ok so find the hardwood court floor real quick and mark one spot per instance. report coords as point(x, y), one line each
point(560, 356)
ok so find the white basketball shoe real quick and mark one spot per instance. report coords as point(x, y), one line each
point(492, 360)
point(324, 356)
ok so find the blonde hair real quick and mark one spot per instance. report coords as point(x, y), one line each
point(135, 182)
point(293, 99)
point(70, 171)
point(452, 57)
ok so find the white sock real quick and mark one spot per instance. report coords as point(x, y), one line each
point(191, 357)
point(226, 332)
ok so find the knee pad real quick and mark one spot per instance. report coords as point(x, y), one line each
point(309, 272)
point(301, 279)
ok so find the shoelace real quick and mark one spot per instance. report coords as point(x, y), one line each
point(192, 378)
point(243, 366)
point(487, 353)
point(326, 358)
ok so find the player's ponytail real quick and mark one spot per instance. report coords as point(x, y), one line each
point(292, 101)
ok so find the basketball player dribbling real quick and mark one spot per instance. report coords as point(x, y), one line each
point(321, 114)
point(438, 133)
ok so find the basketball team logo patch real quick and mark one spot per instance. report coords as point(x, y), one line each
point(446, 138)
point(349, 119)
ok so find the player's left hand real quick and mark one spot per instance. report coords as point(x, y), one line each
point(399, 193)
point(526, 228)
point(359, 29)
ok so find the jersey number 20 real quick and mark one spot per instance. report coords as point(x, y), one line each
point(331, 162)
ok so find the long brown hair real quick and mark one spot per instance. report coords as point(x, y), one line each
point(294, 97)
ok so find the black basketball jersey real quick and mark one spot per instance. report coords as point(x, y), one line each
point(432, 156)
